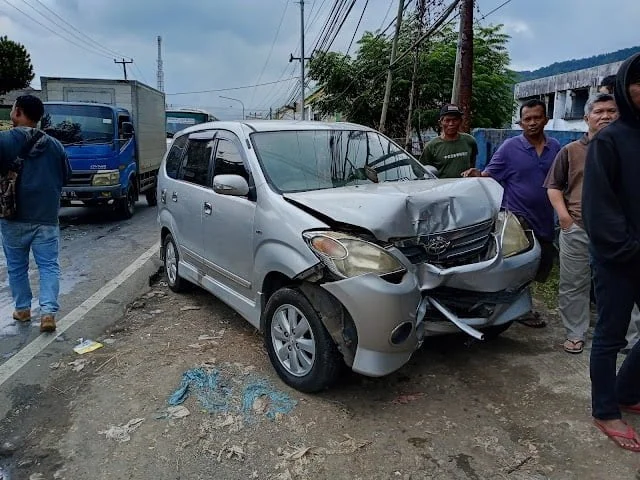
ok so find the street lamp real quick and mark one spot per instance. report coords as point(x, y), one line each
point(235, 100)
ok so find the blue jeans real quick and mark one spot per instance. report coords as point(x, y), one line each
point(617, 288)
point(44, 241)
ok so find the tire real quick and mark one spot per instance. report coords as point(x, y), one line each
point(171, 265)
point(311, 369)
point(127, 205)
point(152, 196)
point(491, 333)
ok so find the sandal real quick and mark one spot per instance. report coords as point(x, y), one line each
point(631, 408)
point(532, 320)
point(573, 346)
point(617, 436)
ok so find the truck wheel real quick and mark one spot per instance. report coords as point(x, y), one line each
point(127, 206)
point(152, 196)
point(300, 349)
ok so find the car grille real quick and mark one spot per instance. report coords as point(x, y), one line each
point(81, 179)
point(452, 248)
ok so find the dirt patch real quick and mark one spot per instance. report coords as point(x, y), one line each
point(460, 410)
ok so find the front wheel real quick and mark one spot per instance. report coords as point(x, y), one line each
point(300, 349)
point(127, 206)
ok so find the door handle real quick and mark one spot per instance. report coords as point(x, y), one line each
point(174, 196)
point(207, 208)
point(163, 195)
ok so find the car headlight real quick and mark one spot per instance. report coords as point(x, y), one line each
point(513, 238)
point(106, 178)
point(348, 256)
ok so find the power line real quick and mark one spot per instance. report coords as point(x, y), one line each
point(357, 26)
point(275, 38)
point(496, 9)
point(232, 88)
point(108, 50)
point(95, 52)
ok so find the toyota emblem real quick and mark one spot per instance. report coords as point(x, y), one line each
point(437, 245)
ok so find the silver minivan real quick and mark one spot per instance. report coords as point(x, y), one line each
point(337, 244)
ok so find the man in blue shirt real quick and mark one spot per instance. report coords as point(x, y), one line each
point(35, 227)
point(521, 165)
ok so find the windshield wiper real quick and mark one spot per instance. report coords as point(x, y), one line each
point(94, 141)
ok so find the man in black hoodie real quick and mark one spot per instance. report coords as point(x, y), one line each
point(611, 214)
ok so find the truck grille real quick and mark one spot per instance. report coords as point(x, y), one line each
point(81, 179)
point(449, 249)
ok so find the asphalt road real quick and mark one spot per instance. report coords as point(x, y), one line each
point(95, 247)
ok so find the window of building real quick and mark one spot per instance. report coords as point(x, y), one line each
point(579, 98)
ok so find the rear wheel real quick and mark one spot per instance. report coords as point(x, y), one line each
point(171, 260)
point(300, 349)
point(152, 196)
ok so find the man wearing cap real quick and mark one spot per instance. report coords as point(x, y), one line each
point(453, 151)
point(521, 165)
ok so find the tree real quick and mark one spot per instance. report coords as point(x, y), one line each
point(355, 86)
point(16, 70)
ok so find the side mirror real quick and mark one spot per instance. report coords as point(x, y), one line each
point(127, 129)
point(233, 185)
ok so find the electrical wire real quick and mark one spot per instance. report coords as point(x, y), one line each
point(231, 88)
point(357, 27)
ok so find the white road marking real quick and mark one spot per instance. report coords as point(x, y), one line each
point(15, 363)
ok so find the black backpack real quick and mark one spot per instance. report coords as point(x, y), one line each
point(10, 177)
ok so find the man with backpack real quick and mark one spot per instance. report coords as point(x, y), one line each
point(29, 203)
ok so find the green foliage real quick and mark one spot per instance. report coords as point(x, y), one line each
point(16, 70)
point(579, 64)
point(355, 86)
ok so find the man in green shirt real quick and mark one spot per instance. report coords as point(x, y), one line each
point(452, 152)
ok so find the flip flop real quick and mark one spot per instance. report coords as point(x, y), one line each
point(631, 408)
point(533, 320)
point(573, 346)
point(615, 435)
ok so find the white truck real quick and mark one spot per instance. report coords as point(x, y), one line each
point(114, 134)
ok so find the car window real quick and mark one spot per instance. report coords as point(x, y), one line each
point(175, 155)
point(229, 160)
point(318, 159)
point(195, 165)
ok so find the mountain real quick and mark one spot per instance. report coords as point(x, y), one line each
point(576, 64)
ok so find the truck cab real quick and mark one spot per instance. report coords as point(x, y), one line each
point(100, 142)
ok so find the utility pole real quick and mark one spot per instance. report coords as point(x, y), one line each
point(394, 49)
point(124, 65)
point(421, 11)
point(160, 76)
point(270, 113)
point(302, 58)
point(463, 75)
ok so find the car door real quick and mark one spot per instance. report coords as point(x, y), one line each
point(228, 225)
point(188, 196)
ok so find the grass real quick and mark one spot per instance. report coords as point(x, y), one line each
point(548, 291)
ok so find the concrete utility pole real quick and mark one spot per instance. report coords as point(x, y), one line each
point(394, 50)
point(302, 58)
point(463, 75)
point(124, 65)
point(421, 11)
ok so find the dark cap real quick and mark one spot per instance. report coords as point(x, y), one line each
point(450, 110)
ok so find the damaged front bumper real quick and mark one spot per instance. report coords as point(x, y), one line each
point(392, 319)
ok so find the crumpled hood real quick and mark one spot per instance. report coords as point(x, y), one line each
point(395, 210)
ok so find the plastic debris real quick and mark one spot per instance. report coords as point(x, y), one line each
point(122, 433)
point(36, 476)
point(262, 398)
point(211, 392)
point(174, 413)
point(55, 365)
point(138, 305)
point(78, 365)
point(189, 308)
point(86, 346)
point(109, 341)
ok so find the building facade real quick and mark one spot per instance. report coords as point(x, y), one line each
point(565, 95)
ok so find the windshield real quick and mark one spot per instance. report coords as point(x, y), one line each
point(78, 124)
point(177, 121)
point(296, 161)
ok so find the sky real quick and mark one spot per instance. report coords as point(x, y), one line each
point(224, 44)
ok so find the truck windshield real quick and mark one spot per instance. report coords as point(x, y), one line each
point(79, 124)
point(177, 121)
point(296, 161)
